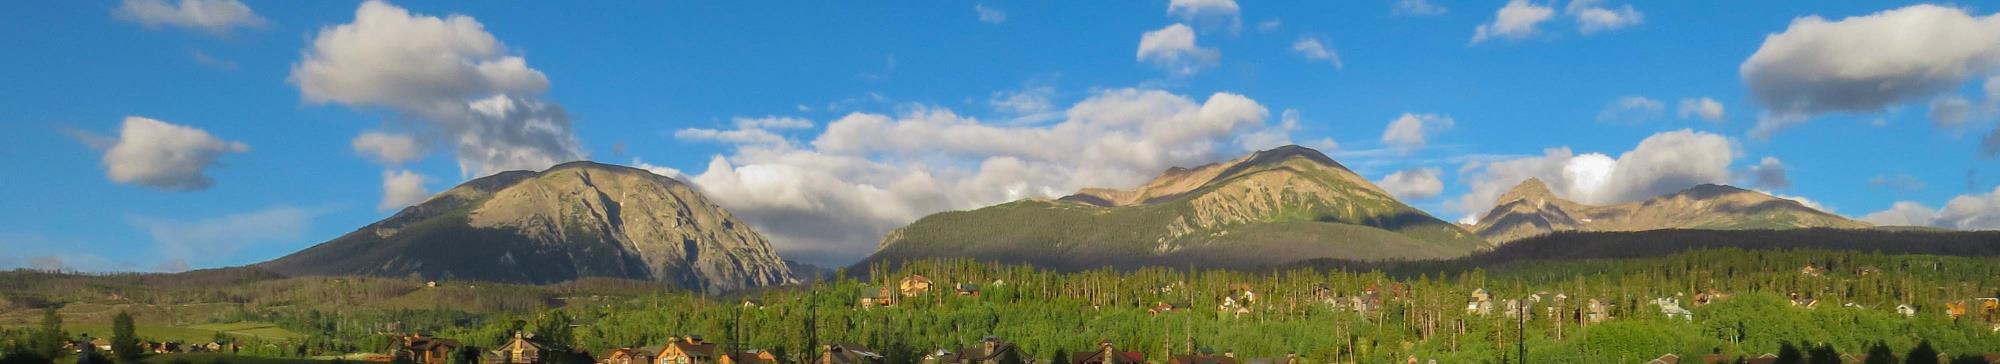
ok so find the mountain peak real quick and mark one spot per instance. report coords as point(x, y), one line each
point(1279, 154)
point(1530, 188)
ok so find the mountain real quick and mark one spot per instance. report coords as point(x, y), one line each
point(577, 219)
point(1269, 208)
point(1530, 209)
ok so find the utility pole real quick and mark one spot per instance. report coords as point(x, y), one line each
point(1521, 324)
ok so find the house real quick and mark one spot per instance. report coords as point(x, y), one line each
point(847, 354)
point(876, 296)
point(422, 349)
point(1906, 310)
point(1954, 309)
point(1204, 358)
point(1710, 296)
point(520, 349)
point(914, 285)
point(631, 356)
point(1596, 311)
point(1666, 359)
point(966, 289)
point(752, 356)
point(1516, 307)
point(691, 350)
point(1480, 303)
point(1810, 271)
point(990, 350)
point(1321, 292)
point(1163, 307)
point(1672, 308)
point(1107, 353)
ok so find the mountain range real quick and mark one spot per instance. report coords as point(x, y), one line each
point(1531, 209)
point(574, 220)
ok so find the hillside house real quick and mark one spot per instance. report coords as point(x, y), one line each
point(1204, 358)
point(914, 285)
point(631, 356)
point(1671, 307)
point(876, 296)
point(1595, 311)
point(1163, 307)
point(1107, 353)
point(422, 349)
point(523, 348)
point(753, 356)
point(1480, 303)
point(1906, 310)
point(1322, 293)
point(966, 289)
point(847, 354)
point(690, 350)
point(990, 350)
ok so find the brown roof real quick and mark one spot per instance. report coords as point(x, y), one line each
point(850, 353)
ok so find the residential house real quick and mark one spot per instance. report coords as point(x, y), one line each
point(1107, 353)
point(841, 353)
point(1596, 311)
point(914, 285)
point(523, 348)
point(990, 350)
point(1672, 308)
point(691, 350)
point(1906, 310)
point(966, 289)
point(422, 349)
point(631, 356)
point(752, 356)
point(1164, 307)
point(1480, 303)
point(876, 296)
point(1810, 271)
point(1204, 358)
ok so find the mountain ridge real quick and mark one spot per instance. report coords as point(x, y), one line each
point(1531, 208)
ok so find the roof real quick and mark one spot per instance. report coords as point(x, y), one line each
point(703, 350)
point(1202, 359)
point(850, 353)
point(978, 352)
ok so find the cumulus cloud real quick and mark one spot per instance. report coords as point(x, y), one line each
point(1173, 49)
point(387, 148)
point(1768, 173)
point(1413, 184)
point(1662, 163)
point(1412, 131)
point(1417, 8)
point(212, 16)
point(1867, 63)
point(989, 15)
point(760, 130)
point(402, 188)
point(1313, 49)
point(445, 74)
point(669, 172)
point(830, 200)
point(1517, 20)
point(161, 155)
point(1029, 104)
point(1704, 108)
point(1592, 16)
point(1632, 109)
point(1224, 12)
point(1949, 112)
point(213, 240)
point(1979, 211)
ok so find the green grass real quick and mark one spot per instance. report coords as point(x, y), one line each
point(206, 358)
point(196, 333)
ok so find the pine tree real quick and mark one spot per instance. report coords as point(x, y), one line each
point(48, 339)
point(1922, 354)
point(124, 341)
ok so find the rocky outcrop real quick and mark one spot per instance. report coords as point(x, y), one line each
point(574, 220)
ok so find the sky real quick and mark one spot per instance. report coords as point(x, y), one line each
point(166, 135)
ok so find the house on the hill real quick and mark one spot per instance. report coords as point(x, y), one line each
point(966, 289)
point(422, 349)
point(1163, 307)
point(523, 348)
point(1672, 308)
point(1107, 353)
point(1906, 310)
point(876, 296)
point(630, 356)
point(1480, 303)
point(1596, 311)
point(914, 285)
point(990, 350)
point(691, 350)
point(847, 354)
point(753, 356)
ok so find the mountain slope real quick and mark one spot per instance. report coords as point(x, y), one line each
point(1272, 207)
point(578, 219)
point(1530, 209)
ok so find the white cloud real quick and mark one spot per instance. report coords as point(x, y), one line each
point(1222, 12)
point(402, 188)
point(989, 15)
point(1412, 131)
point(1313, 49)
point(1632, 109)
point(1517, 20)
point(831, 200)
point(212, 16)
point(213, 240)
point(1592, 17)
point(161, 155)
point(1768, 173)
point(387, 148)
point(748, 131)
point(446, 74)
point(1865, 64)
point(1662, 163)
point(1417, 8)
point(1173, 49)
point(670, 172)
point(1899, 182)
point(1268, 26)
point(1413, 184)
point(1979, 211)
point(1704, 108)
point(1949, 112)
point(1031, 104)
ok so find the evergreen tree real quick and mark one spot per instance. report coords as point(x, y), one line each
point(1880, 354)
point(1922, 354)
point(48, 339)
point(1968, 359)
point(1823, 354)
point(124, 339)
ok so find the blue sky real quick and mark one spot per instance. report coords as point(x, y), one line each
point(274, 168)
